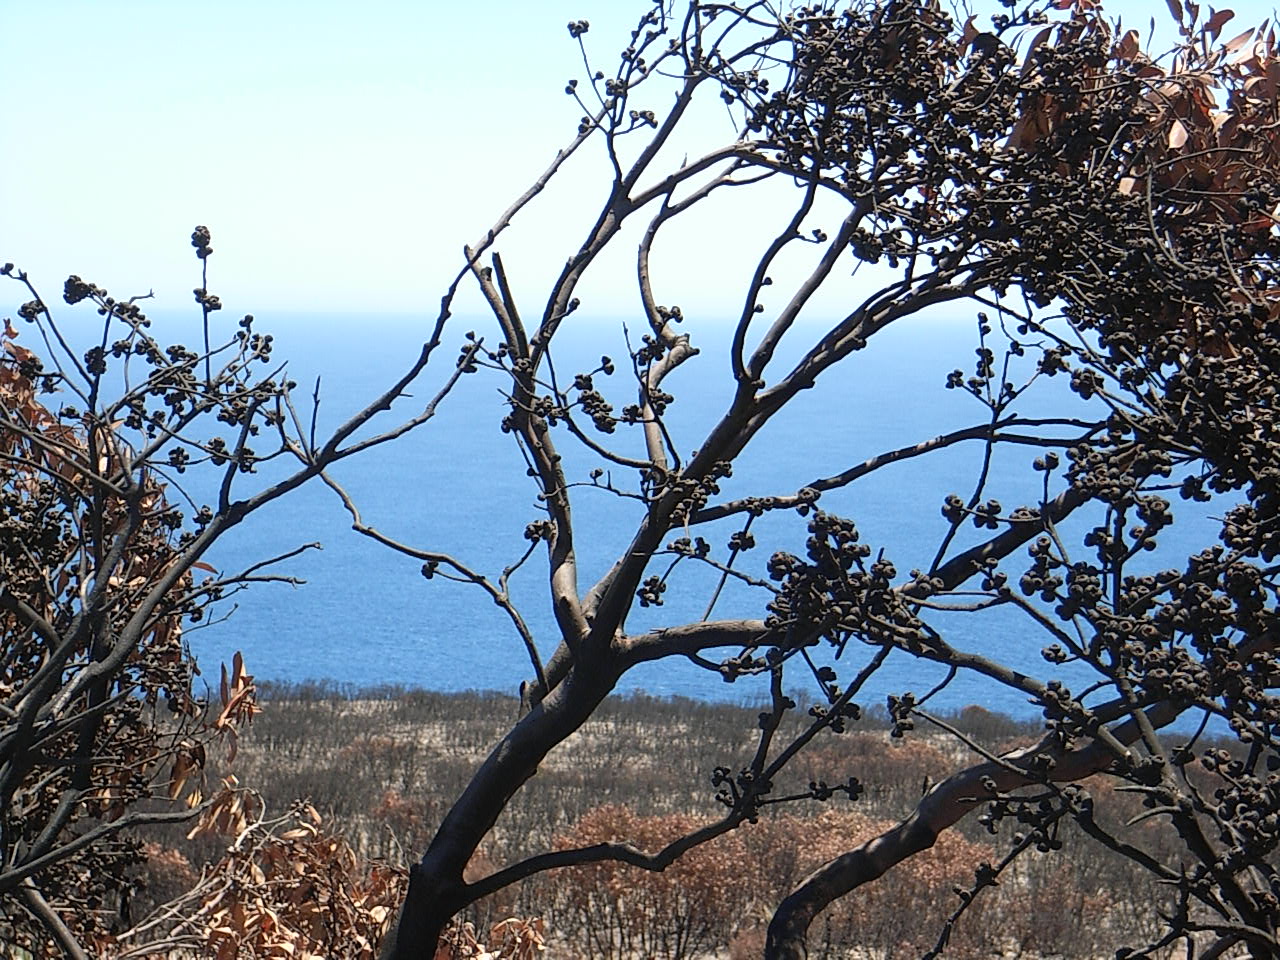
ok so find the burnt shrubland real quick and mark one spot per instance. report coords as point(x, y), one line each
point(1105, 218)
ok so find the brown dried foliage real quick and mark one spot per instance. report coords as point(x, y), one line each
point(111, 745)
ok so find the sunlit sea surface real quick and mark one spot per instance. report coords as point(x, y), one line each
point(366, 616)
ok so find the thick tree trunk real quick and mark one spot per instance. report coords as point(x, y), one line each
point(437, 891)
point(428, 907)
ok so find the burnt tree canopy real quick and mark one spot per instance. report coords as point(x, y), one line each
point(104, 726)
point(1103, 215)
point(1107, 216)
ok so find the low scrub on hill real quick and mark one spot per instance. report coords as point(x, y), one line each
point(372, 771)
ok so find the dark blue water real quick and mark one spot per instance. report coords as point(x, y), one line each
point(366, 616)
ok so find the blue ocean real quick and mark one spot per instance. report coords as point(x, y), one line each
point(365, 616)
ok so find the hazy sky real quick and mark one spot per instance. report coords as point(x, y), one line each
point(341, 153)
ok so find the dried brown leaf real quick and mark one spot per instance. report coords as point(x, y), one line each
point(1215, 23)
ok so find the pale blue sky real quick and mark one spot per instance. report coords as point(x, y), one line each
point(341, 153)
